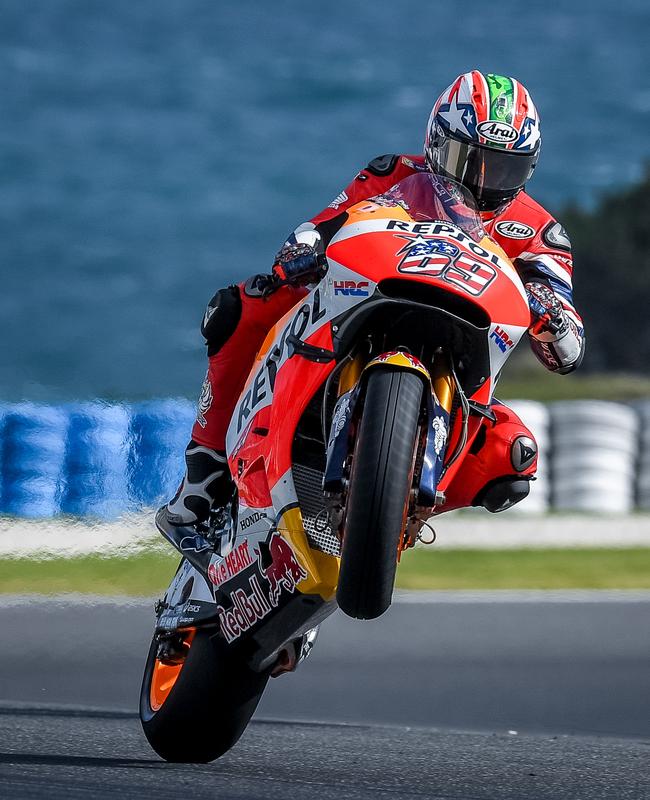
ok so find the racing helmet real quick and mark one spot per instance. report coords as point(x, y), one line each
point(484, 133)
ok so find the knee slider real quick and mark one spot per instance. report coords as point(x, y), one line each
point(221, 318)
point(503, 493)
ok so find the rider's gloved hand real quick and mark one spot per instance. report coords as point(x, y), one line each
point(546, 311)
point(299, 261)
point(554, 336)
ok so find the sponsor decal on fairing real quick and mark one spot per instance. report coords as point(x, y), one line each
point(440, 258)
point(248, 608)
point(283, 573)
point(501, 338)
point(250, 519)
point(235, 562)
point(392, 355)
point(352, 288)
point(440, 230)
point(311, 314)
point(318, 308)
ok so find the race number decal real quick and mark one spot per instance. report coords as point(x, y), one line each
point(440, 258)
point(470, 274)
point(428, 256)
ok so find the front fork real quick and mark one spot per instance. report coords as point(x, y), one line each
point(439, 404)
point(439, 401)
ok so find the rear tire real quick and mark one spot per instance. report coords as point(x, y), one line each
point(209, 705)
point(378, 497)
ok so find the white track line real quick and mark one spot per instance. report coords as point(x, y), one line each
point(401, 597)
point(452, 596)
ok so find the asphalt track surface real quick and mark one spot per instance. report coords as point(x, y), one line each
point(456, 698)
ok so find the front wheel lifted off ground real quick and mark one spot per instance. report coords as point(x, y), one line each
point(380, 485)
point(195, 710)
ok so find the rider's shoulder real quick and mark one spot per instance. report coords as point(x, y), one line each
point(524, 208)
point(393, 165)
point(526, 222)
point(549, 233)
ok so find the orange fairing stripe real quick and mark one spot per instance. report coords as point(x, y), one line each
point(164, 676)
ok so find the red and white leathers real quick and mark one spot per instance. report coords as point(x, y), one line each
point(529, 235)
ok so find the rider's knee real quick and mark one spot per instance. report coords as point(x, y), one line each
point(497, 470)
point(221, 318)
point(509, 458)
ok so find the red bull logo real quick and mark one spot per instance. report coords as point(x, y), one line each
point(249, 607)
point(284, 571)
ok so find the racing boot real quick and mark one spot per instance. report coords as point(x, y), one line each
point(206, 483)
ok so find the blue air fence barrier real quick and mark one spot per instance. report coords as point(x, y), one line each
point(160, 430)
point(95, 468)
point(33, 453)
point(3, 414)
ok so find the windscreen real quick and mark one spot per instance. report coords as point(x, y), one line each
point(429, 197)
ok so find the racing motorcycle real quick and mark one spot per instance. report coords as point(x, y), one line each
point(366, 413)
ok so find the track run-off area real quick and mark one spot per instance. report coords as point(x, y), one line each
point(448, 695)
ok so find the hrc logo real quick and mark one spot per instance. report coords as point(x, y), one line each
point(348, 288)
point(503, 341)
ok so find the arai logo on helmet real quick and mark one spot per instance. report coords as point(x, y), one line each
point(500, 132)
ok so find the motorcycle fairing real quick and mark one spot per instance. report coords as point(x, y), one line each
point(308, 321)
point(371, 242)
point(262, 585)
point(285, 377)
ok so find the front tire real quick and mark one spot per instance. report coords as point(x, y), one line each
point(195, 711)
point(378, 497)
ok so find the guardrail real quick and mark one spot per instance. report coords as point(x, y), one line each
point(100, 460)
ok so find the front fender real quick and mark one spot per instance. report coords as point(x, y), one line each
point(401, 360)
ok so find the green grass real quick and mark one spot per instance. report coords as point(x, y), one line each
point(149, 573)
point(144, 574)
point(538, 384)
point(525, 569)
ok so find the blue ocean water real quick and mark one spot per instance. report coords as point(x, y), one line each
point(152, 151)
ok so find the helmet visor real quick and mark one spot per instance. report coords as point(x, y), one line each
point(491, 175)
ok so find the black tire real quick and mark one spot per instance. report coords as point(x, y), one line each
point(209, 706)
point(378, 496)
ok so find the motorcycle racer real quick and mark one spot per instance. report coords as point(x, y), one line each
point(483, 132)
